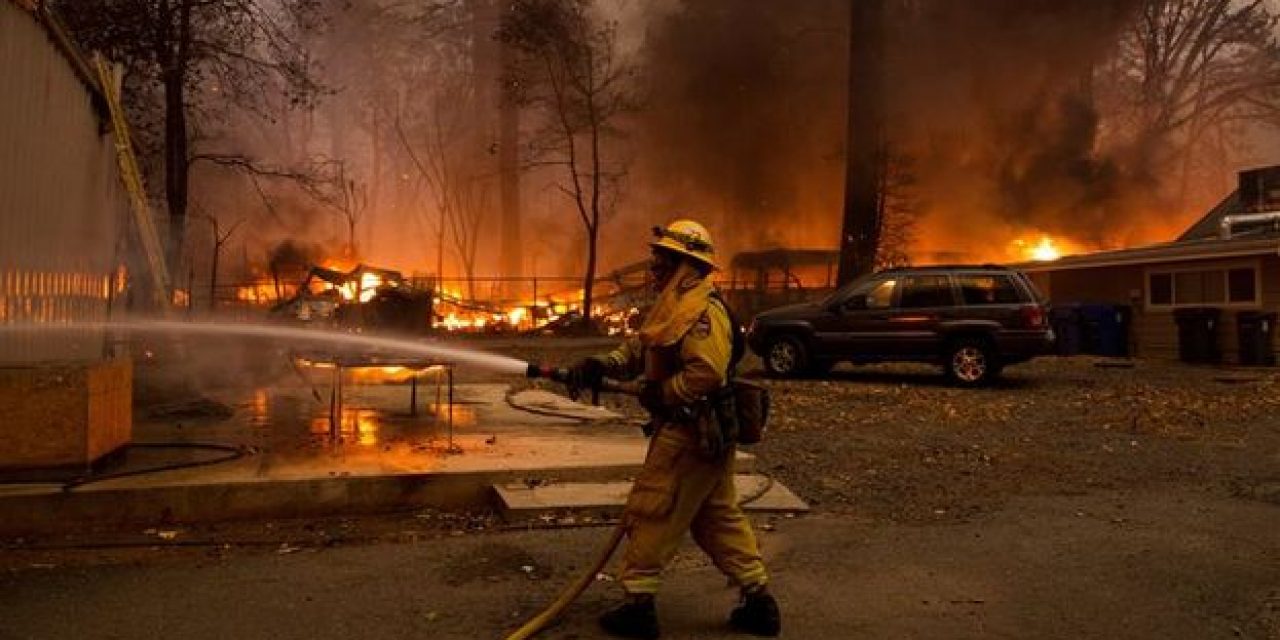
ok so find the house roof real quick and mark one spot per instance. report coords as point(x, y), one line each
point(1210, 225)
point(1199, 249)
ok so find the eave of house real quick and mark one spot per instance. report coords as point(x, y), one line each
point(1192, 250)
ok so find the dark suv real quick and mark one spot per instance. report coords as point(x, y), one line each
point(972, 320)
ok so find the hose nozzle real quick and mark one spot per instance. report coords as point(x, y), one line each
point(554, 374)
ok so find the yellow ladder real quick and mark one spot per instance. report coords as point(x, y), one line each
point(132, 179)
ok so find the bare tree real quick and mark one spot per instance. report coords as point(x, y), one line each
point(1187, 72)
point(350, 199)
point(220, 239)
point(567, 68)
point(899, 212)
point(190, 63)
point(460, 187)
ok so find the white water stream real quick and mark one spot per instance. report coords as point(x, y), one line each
point(456, 355)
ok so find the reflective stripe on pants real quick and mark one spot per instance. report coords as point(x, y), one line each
point(678, 491)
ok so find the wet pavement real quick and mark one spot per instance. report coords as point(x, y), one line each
point(290, 431)
point(268, 443)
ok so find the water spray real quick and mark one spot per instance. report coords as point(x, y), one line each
point(459, 355)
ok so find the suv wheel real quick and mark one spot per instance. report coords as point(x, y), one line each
point(786, 356)
point(971, 362)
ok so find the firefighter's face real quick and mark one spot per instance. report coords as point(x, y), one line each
point(662, 266)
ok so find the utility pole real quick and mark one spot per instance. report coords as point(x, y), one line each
point(865, 142)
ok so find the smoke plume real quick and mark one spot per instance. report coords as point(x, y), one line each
point(991, 102)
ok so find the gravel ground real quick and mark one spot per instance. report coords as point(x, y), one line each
point(897, 443)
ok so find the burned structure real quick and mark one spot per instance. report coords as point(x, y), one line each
point(364, 297)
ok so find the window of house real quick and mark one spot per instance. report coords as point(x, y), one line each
point(926, 291)
point(1242, 285)
point(1161, 288)
point(987, 289)
point(1188, 287)
point(1198, 287)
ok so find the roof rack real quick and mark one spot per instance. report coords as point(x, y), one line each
point(950, 267)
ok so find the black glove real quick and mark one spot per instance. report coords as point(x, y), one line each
point(588, 373)
point(651, 398)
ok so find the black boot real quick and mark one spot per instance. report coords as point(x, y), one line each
point(635, 618)
point(757, 615)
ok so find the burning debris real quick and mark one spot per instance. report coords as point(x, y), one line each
point(364, 297)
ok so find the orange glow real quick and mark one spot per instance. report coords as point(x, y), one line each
point(261, 292)
point(1043, 251)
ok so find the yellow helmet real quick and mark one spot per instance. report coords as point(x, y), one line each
point(687, 238)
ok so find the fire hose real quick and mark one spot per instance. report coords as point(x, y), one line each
point(575, 589)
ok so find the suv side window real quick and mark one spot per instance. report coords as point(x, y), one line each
point(933, 290)
point(880, 295)
point(988, 288)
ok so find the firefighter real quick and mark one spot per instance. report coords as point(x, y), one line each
point(681, 357)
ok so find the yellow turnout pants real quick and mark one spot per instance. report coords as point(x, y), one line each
point(678, 490)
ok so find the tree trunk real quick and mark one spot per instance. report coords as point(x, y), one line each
point(509, 188)
point(860, 231)
point(176, 143)
point(213, 275)
point(375, 186)
point(589, 280)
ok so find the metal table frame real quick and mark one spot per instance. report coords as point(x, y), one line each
point(418, 366)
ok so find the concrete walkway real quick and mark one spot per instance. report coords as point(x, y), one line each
point(381, 458)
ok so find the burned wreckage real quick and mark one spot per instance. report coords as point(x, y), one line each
point(364, 297)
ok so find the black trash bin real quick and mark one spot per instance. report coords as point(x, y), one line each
point(1198, 334)
point(1254, 330)
point(1066, 324)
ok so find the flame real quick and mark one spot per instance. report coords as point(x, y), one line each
point(1040, 248)
point(259, 292)
point(1045, 251)
point(365, 290)
point(516, 316)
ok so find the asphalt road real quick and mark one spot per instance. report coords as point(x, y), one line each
point(1169, 564)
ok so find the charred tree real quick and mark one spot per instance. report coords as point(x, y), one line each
point(865, 142)
point(492, 58)
point(1189, 73)
point(509, 178)
point(566, 68)
point(220, 239)
point(188, 63)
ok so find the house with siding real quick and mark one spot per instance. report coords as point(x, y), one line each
point(1225, 267)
